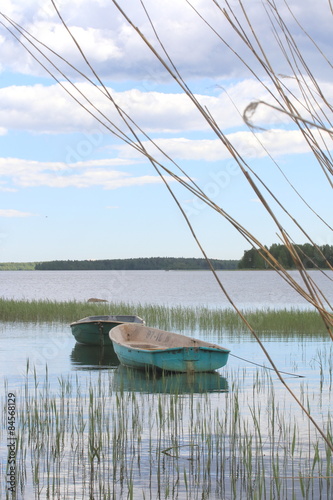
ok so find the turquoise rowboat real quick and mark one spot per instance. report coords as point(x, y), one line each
point(94, 330)
point(139, 346)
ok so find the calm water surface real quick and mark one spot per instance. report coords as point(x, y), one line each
point(249, 289)
point(45, 355)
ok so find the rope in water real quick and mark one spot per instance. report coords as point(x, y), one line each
point(267, 367)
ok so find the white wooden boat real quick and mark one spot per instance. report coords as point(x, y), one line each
point(139, 346)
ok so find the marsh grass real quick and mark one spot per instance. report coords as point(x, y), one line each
point(85, 438)
point(307, 322)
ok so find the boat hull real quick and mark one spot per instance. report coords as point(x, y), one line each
point(94, 330)
point(176, 360)
point(143, 347)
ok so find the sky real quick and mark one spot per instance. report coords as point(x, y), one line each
point(72, 189)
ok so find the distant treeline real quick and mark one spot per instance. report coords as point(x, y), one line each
point(139, 264)
point(310, 256)
point(17, 266)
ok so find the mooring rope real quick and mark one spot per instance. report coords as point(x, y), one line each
point(267, 367)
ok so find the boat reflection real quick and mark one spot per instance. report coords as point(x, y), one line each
point(130, 379)
point(90, 357)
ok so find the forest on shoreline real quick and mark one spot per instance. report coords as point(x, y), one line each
point(135, 264)
point(311, 256)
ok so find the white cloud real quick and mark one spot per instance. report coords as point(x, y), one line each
point(49, 109)
point(14, 213)
point(116, 51)
point(17, 173)
point(276, 141)
point(28, 108)
point(9, 166)
point(25, 173)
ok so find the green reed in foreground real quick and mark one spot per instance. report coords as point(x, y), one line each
point(182, 318)
point(88, 437)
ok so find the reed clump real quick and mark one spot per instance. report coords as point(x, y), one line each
point(88, 437)
point(306, 322)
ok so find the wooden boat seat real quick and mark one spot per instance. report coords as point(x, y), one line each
point(142, 345)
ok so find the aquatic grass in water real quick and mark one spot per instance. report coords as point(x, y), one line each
point(88, 437)
point(306, 322)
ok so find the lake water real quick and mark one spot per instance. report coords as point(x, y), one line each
point(63, 391)
point(248, 289)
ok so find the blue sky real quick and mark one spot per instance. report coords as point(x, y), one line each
point(71, 190)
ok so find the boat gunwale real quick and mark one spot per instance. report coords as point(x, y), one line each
point(116, 335)
point(169, 349)
point(95, 320)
